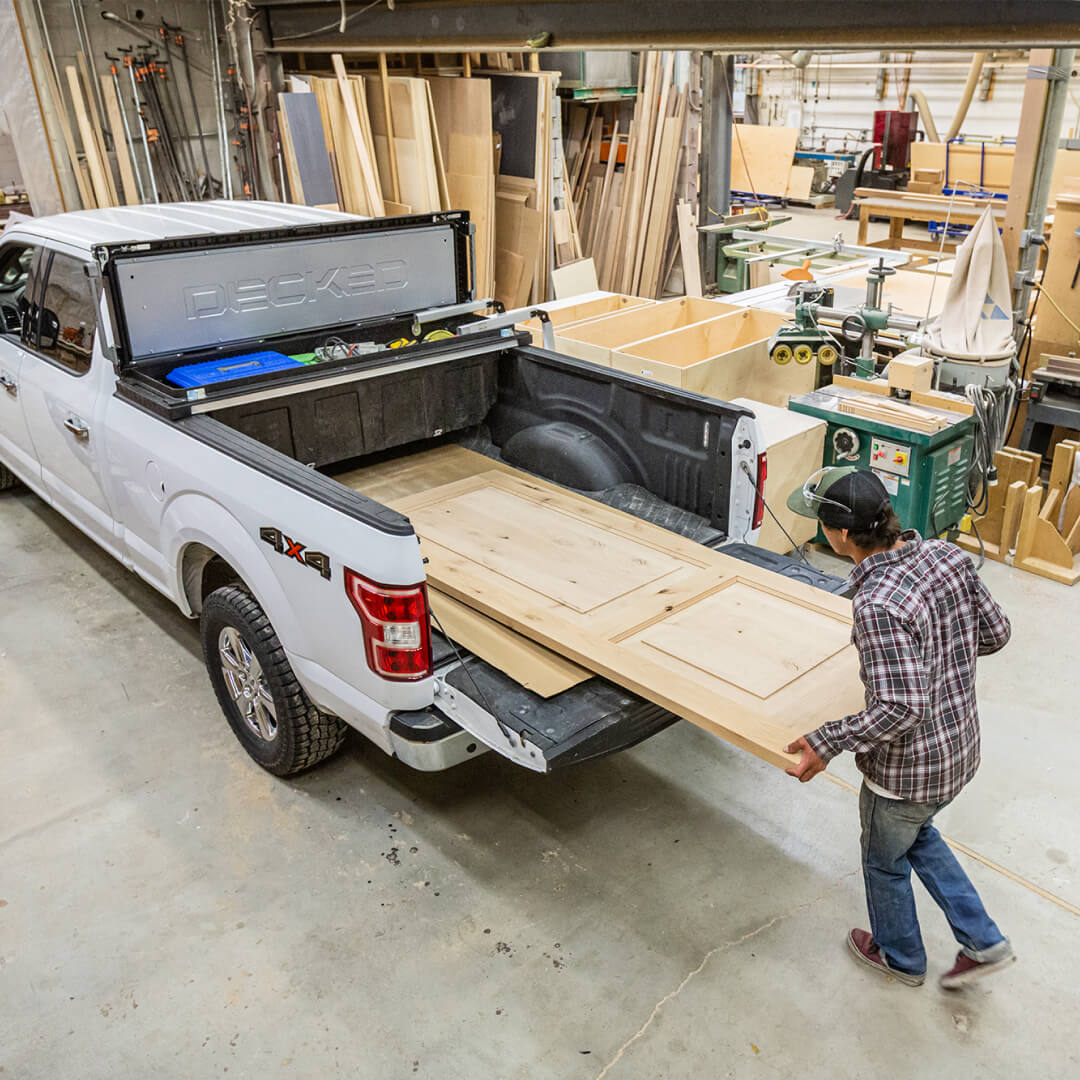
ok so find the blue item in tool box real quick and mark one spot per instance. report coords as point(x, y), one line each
point(235, 367)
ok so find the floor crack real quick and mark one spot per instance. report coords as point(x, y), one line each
point(724, 946)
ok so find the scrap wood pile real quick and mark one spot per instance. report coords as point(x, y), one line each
point(384, 144)
point(623, 173)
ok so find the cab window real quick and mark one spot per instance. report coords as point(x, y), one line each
point(68, 318)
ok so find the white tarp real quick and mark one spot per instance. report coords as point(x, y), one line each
point(976, 321)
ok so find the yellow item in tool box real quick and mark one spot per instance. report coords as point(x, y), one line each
point(401, 343)
point(438, 335)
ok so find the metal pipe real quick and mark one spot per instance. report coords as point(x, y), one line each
point(84, 40)
point(127, 130)
point(45, 34)
point(142, 128)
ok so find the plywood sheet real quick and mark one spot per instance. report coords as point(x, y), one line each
point(748, 656)
point(304, 125)
point(761, 158)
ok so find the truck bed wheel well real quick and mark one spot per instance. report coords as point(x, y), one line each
point(202, 571)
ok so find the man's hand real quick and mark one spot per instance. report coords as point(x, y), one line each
point(809, 764)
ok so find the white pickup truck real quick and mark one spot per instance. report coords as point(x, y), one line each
point(222, 494)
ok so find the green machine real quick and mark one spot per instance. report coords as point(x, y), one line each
point(926, 475)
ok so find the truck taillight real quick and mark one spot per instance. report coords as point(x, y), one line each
point(397, 638)
point(759, 498)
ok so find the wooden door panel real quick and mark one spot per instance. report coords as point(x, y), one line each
point(737, 650)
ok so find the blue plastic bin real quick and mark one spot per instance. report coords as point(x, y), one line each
point(235, 367)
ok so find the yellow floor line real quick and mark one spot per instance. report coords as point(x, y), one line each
point(965, 850)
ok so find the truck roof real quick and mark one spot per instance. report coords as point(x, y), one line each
point(135, 224)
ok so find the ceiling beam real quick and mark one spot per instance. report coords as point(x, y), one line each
point(728, 25)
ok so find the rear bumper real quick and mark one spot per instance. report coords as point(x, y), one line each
point(430, 741)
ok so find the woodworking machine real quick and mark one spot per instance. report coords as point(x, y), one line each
point(926, 475)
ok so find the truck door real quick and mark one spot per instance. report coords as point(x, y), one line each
point(63, 392)
point(18, 278)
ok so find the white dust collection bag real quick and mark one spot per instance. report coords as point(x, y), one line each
point(976, 321)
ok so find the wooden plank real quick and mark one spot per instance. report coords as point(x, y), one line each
point(752, 658)
point(761, 158)
point(367, 171)
point(518, 232)
point(93, 161)
point(538, 669)
point(800, 181)
point(95, 123)
point(688, 246)
point(123, 157)
point(86, 194)
point(463, 117)
point(384, 89)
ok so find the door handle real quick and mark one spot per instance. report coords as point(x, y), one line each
point(10, 385)
point(77, 428)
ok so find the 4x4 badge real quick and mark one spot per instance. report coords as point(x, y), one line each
point(293, 549)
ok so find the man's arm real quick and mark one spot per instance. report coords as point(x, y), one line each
point(994, 626)
point(897, 687)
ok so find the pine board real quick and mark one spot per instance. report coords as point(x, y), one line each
point(752, 658)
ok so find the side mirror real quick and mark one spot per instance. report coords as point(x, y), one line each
point(49, 331)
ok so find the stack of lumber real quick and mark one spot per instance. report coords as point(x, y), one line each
point(625, 202)
point(1063, 365)
point(901, 415)
point(1034, 529)
point(92, 165)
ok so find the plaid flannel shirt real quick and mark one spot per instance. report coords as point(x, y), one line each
point(921, 617)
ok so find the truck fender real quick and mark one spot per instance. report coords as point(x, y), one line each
point(196, 519)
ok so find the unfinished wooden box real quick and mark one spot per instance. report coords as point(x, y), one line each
point(722, 358)
point(565, 315)
point(796, 446)
point(596, 339)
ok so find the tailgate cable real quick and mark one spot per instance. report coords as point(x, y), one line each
point(464, 667)
point(760, 494)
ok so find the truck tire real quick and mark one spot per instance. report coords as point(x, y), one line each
point(270, 714)
point(7, 478)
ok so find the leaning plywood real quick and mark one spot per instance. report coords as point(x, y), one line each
point(753, 658)
point(723, 358)
point(761, 158)
point(596, 339)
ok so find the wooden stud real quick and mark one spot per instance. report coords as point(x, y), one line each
point(96, 166)
point(367, 170)
point(95, 121)
point(123, 156)
point(86, 194)
point(384, 80)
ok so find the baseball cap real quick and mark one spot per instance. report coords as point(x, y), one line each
point(843, 497)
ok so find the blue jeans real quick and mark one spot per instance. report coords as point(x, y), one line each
point(898, 837)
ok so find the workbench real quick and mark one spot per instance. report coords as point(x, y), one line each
point(900, 207)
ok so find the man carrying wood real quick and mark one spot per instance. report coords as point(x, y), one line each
point(921, 617)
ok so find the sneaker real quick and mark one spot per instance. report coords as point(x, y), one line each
point(861, 944)
point(966, 971)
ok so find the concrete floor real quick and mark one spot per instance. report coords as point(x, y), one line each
point(167, 909)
